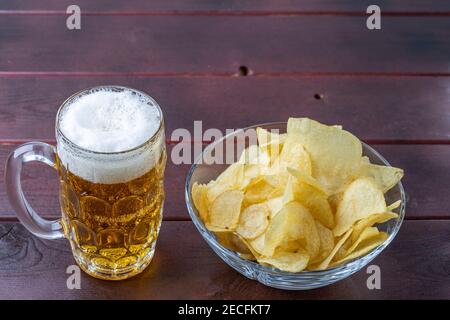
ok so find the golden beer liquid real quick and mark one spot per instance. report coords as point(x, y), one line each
point(112, 228)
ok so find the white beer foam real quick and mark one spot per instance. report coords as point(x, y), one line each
point(107, 120)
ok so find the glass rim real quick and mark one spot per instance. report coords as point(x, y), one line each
point(79, 93)
point(346, 265)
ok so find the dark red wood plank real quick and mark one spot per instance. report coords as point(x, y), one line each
point(427, 181)
point(219, 45)
point(374, 108)
point(228, 5)
point(414, 266)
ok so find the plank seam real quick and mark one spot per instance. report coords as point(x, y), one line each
point(287, 74)
point(13, 142)
point(185, 219)
point(15, 219)
point(226, 13)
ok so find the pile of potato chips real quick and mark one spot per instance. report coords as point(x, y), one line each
point(306, 199)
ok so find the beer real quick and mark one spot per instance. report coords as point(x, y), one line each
point(111, 159)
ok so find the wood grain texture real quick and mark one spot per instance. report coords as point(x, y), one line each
point(373, 108)
point(415, 265)
point(219, 45)
point(228, 5)
point(426, 181)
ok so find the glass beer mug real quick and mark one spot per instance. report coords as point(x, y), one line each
point(110, 157)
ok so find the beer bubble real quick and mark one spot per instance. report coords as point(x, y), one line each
point(108, 121)
point(101, 125)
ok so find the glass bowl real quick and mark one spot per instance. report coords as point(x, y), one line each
point(203, 172)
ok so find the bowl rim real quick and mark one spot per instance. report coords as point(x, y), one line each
point(343, 267)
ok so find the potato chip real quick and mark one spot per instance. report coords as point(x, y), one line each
point(385, 177)
point(335, 153)
point(225, 210)
point(361, 199)
point(247, 256)
point(270, 142)
point(224, 238)
point(253, 221)
point(293, 224)
point(278, 232)
point(262, 188)
point(294, 155)
point(324, 264)
point(394, 206)
point(334, 201)
point(233, 175)
point(317, 205)
point(274, 205)
point(200, 200)
point(257, 245)
point(230, 179)
point(363, 248)
point(314, 200)
point(367, 233)
point(233, 241)
point(326, 242)
point(215, 189)
point(362, 224)
point(250, 155)
point(287, 261)
point(215, 228)
point(239, 244)
point(253, 155)
point(289, 194)
point(307, 179)
point(249, 160)
point(266, 137)
point(342, 251)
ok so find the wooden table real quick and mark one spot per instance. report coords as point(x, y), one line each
point(233, 64)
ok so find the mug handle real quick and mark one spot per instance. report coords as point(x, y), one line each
point(28, 152)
